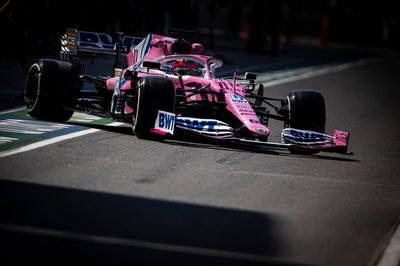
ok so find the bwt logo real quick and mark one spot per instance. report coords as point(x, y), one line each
point(199, 124)
point(104, 41)
point(307, 135)
point(166, 121)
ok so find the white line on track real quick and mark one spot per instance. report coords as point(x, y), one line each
point(322, 71)
point(6, 139)
point(53, 140)
point(47, 142)
point(12, 110)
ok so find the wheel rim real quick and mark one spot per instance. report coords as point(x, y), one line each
point(287, 124)
point(32, 86)
point(136, 110)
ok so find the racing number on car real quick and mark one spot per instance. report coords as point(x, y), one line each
point(71, 40)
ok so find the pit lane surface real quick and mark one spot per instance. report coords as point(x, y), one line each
point(111, 198)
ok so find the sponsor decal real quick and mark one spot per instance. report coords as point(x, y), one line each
point(341, 138)
point(117, 72)
point(104, 41)
point(261, 130)
point(244, 107)
point(238, 99)
point(247, 111)
point(304, 137)
point(165, 122)
point(119, 80)
point(252, 115)
point(307, 135)
point(205, 127)
point(199, 123)
point(117, 91)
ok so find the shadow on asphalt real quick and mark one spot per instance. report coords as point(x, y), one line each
point(199, 143)
point(196, 142)
point(63, 226)
point(116, 129)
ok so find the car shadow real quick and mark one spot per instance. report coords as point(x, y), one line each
point(231, 146)
point(198, 142)
point(124, 129)
point(64, 226)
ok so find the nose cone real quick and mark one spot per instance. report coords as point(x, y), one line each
point(242, 109)
point(258, 129)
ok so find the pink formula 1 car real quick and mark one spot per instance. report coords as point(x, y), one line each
point(169, 88)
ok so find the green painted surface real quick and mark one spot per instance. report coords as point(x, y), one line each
point(21, 141)
point(11, 140)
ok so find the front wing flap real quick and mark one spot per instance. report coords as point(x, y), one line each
point(310, 140)
point(302, 140)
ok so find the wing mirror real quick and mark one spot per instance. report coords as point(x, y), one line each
point(152, 65)
point(130, 75)
point(250, 76)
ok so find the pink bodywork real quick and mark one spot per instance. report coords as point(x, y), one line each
point(341, 138)
point(157, 48)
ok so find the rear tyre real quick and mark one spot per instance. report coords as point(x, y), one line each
point(153, 94)
point(306, 111)
point(51, 90)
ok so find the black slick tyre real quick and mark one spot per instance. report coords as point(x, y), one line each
point(51, 90)
point(153, 94)
point(306, 112)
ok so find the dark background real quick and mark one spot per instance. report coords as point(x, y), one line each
point(110, 199)
point(31, 28)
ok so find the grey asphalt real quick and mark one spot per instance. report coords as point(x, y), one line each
point(110, 198)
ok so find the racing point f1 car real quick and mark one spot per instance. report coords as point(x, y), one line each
point(169, 87)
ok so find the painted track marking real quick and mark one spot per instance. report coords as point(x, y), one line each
point(20, 133)
point(6, 139)
point(47, 142)
point(300, 74)
point(35, 127)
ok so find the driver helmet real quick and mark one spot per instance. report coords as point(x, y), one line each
point(186, 67)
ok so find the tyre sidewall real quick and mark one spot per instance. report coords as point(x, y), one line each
point(307, 110)
point(57, 90)
point(154, 94)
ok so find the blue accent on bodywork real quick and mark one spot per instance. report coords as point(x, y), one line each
point(197, 124)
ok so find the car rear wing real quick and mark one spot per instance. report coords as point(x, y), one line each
point(74, 41)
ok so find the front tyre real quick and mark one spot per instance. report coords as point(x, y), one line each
point(307, 112)
point(153, 94)
point(51, 90)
